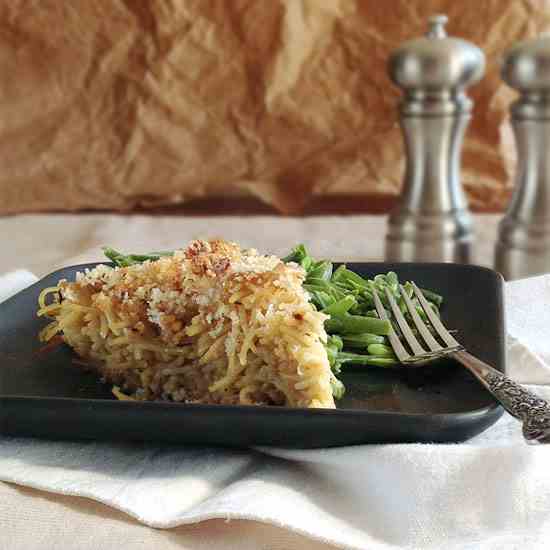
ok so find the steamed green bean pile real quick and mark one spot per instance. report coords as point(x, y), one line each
point(357, 336)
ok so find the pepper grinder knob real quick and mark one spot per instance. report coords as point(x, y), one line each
point(523, 242)
point(431, 221)
point(437, 26)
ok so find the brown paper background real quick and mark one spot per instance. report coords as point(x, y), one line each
point(112, 104)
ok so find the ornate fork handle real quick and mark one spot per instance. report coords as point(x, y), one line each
point(527, 407)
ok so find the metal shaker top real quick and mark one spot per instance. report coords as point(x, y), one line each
point(526, 67)
point(435, 69)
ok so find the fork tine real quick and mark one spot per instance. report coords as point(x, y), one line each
point(434, 319)
point(432, 343)
point(397, 346)
point(404, 326)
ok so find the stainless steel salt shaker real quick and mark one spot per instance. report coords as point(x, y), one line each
point(523, 243)
point(431, 221)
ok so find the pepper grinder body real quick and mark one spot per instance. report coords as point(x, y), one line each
point(431, 222)
point(523, 242)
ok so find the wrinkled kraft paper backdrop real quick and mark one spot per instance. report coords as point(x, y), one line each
point(118, 104)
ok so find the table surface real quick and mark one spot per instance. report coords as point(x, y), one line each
point(42, 243)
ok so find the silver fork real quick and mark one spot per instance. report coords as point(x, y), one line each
point(530, 409)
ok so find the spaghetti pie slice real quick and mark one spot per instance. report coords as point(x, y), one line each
point(210, 324)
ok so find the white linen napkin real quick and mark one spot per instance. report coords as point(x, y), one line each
point(492, 492)
point(14, 281)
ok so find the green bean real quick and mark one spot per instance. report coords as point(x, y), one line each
point(338, 388)
point(321, 299)
point(368, 298)
point(402, 305)
point(433, 297)
point(392, 280)
point(346, 277)
point(371, 313)
point(341, 307)
point(306, 262)
point(362, 340)
point(381, 350)
point(357, 309)
point(356, 324)
point(162, 253)
point(332, 355)
point(409, 289)
point(297, 254)
point(335, 341)
point(320, 270)
point(125, 260)
point(316, 283)
point(334, 346)
point(373, 360)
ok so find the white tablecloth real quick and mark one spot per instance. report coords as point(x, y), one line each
point(31, 519)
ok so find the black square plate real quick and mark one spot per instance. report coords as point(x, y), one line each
point(46, 395)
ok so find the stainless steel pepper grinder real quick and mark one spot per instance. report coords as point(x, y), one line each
point(432, 221)
point(523, 243)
